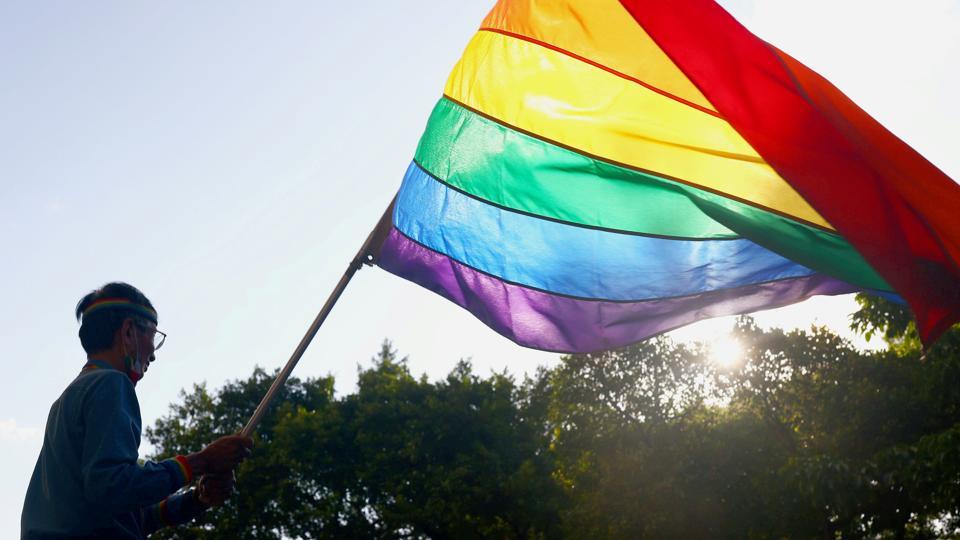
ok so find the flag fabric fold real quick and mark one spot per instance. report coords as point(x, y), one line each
point(598, 172)
point(895, 207)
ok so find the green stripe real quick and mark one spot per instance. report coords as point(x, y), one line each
point(508, 168)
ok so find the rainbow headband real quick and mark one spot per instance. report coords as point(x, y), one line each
point(120, 303)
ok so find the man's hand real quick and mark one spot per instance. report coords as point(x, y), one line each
point(215, 489)
point(221, 456)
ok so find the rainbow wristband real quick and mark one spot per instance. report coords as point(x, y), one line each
point(185, 469)
point(163, 513)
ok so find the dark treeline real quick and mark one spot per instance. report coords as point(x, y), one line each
point(807, 437)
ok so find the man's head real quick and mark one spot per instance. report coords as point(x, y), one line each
point(117, 320)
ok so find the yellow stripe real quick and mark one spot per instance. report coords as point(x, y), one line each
point(600, 30)
point(573, 103)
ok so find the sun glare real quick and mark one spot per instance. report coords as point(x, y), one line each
point(726, 352)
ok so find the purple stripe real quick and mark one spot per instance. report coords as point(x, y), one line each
point(558, 323)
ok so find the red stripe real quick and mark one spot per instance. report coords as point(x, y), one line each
point(896, 208)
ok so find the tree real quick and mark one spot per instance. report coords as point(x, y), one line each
point(400, 458)
point(808, 437)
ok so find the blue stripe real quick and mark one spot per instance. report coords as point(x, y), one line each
point(575, 261)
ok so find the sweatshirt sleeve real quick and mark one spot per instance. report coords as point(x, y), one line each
point(176, 509)
point(111, 475)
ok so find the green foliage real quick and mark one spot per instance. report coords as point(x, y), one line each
point(807, 437)
point(400, 458)
point(890, 320)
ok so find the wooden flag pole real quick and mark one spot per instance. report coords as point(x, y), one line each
point(366, 255)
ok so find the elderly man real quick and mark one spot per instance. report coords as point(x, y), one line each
point(88, 482)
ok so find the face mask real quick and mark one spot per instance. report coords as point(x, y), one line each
point(133, 365)
point(134, 368)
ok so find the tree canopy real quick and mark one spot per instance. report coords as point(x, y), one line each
point(806, 437)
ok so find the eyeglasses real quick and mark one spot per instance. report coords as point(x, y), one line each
point(158, 336)
point(158, 339)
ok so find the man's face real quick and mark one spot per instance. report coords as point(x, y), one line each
point(146, 333)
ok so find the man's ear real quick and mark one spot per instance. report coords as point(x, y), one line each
point(126, 333)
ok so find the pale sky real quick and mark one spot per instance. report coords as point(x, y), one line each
point(228, 158)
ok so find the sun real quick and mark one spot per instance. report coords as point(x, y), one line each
point(726, 352)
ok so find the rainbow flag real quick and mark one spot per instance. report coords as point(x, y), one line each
point(601, 171)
